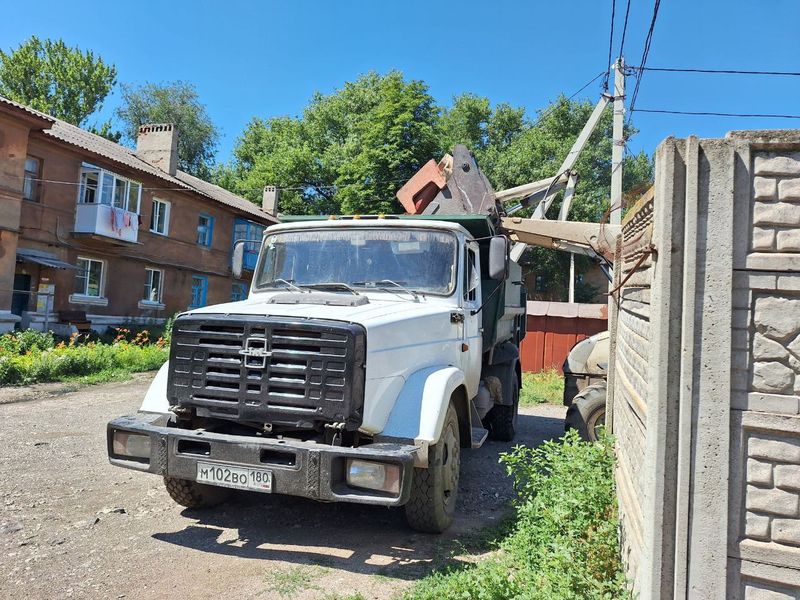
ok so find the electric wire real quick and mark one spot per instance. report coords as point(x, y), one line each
point(624, 30)
point(610, 41)
point(645, 53)
point(716, 71)
point(715, 114)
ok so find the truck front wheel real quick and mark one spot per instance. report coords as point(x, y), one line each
point(434, 490)
point(195, 495)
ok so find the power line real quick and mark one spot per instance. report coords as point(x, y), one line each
point(645, 53)
point(715, 114)
point(717, 71)
point(610, 41)
point(624, 30)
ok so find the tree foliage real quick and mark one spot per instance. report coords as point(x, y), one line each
point(348, 153)
point(177, 103)
point(67, 83)
point(351, 150)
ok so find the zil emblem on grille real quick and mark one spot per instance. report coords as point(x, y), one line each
point(255, 352)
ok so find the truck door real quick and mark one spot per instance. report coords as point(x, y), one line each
point(472, 331)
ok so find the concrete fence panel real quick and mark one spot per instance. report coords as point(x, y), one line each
point(705, 388)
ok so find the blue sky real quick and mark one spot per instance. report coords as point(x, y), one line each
point(268, 58)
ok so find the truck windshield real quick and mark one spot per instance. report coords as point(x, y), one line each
point(419, 260)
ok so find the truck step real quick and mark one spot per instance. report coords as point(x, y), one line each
point(479, 436)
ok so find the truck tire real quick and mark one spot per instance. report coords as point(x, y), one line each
point(587, 413)
point(434, 490)
point(195, 495)
point(502, 419)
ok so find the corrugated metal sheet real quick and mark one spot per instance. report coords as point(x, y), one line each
point(554, 328)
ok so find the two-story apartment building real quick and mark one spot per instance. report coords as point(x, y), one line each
point(91, 227)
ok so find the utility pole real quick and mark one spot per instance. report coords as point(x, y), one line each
point(618, 146)
point(571, 277)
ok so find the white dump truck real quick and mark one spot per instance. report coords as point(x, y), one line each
point(369, 353)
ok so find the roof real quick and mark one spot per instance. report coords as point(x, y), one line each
point(100, 146)
point(42, 258)
point(307, 222)
point(27, 109)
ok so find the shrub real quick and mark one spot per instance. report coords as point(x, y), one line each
point(21, 342)
point(564, 543)
point(75, 360)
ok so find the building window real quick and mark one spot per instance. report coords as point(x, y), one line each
point(33, 173)
point(89, 278)
point(199, 291)
point(238, 292)
point(153, 279)
point(252, 232)
point(98, 185)
point(541, 285)
point(159, 218)
point(205, 230)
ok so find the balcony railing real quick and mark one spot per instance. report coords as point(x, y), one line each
point(108, 221)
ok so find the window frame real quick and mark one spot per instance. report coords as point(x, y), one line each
point(242, 294)
point(148, 282)
point(204, 291)
point(35, 179)
point(167, 210)
point(209, 232)
point(101, 284)
point(253, 232)
point(108, 184)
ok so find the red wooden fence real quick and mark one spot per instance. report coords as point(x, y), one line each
point(554, 327)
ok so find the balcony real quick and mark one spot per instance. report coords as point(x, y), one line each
point(104, 222)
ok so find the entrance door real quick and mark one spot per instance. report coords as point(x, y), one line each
point(19, 301)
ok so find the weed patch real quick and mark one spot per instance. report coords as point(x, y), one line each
point(540, 388)
point(563, 545)
point(33, 357)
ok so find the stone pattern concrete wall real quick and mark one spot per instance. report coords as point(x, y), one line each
point(718, 450)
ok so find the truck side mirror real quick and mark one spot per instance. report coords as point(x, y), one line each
point(237, 263)
point(498, 258)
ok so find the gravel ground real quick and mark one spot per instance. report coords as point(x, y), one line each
point(73, 526)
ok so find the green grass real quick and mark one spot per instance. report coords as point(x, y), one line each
point(90, 362)
point(540, 388)
point(563, 544)
point(293, 580)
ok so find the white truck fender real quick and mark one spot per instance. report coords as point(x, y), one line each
point(155, 400)
point(421, 406)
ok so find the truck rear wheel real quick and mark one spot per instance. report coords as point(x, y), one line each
point(587, 413)
point(195, 495)
point(434, 490)
point(502, 419)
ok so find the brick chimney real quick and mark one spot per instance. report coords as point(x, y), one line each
point(157, 144)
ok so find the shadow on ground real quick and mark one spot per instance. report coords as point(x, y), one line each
point(363, 539)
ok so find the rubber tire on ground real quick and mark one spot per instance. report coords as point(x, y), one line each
point(195, 495)
point(434, 490)
point(502, 419)
point(587, 411)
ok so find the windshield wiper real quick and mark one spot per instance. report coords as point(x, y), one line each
point(385, 289)
point(331, 285)
point(290, 285)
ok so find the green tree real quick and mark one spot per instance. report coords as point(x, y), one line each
point(67, 83)
point(177, 103)
point(348, 153)
point(512, 150)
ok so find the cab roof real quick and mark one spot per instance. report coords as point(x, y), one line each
point(479, 226)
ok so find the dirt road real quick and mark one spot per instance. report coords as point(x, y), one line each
point(73, 526)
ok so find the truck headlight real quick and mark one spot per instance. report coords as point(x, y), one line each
point(372, 475)
point(134, 445)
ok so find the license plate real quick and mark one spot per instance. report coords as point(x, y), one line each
point(241, 478)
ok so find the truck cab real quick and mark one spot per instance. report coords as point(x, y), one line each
point(368, 354)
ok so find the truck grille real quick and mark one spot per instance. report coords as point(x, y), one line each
point(268, 370)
